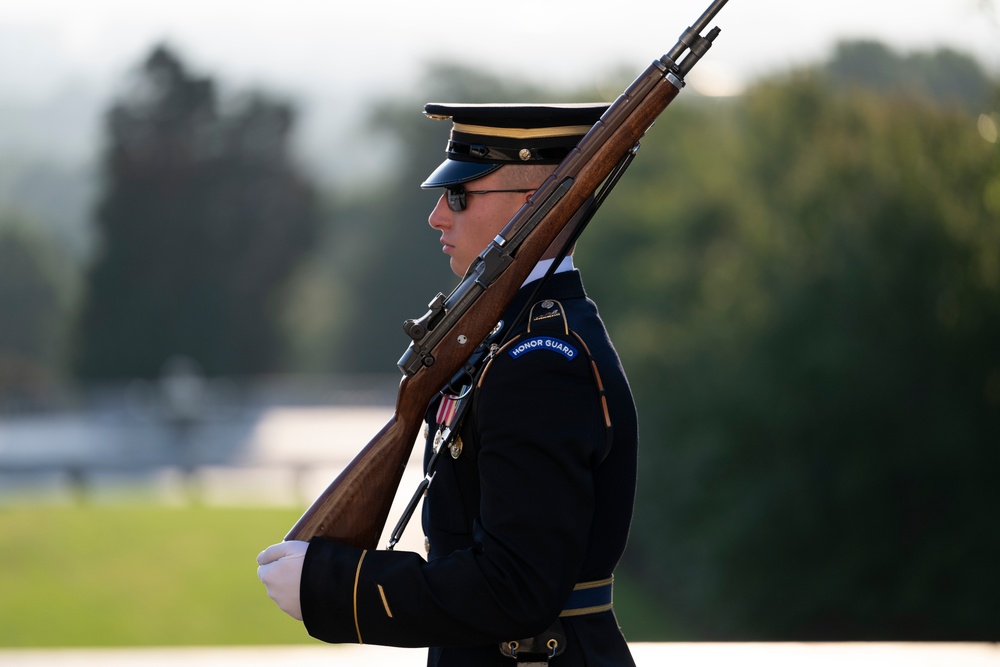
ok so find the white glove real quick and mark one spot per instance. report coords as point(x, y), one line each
point(280, 570)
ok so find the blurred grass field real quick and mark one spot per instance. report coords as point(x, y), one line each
point(88, 576)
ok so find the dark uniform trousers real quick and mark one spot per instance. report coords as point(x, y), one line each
point(538, 500)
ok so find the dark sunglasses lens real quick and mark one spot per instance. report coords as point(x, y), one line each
point(456, 198)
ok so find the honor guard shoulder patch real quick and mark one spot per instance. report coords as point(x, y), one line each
point(537, 343)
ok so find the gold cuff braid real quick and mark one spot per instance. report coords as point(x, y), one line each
point(357, 577)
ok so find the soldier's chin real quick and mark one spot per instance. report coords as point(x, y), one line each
point(458, 267)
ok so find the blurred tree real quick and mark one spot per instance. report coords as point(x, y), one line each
point(807, 296)
point(945, 75)
point(54, 195)
point(34, 298)
point(203, 217)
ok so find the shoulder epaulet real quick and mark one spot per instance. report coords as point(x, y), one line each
point(548, 315)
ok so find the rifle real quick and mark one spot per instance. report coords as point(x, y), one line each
point(354, 508)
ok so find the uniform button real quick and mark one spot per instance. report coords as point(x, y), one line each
point(427, 545)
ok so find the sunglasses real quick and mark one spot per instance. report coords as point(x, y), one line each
point(456, 195)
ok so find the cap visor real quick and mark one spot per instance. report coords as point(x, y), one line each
point(455, 172)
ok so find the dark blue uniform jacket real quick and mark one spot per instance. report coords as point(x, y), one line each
point(539, 499)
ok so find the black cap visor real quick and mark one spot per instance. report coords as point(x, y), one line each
point(456, 172)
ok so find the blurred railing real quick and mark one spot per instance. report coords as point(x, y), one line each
point(276, 440)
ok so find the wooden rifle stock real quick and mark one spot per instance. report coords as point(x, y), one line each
point(354, 508)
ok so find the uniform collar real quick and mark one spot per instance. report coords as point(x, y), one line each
point(561, 286)
point(543, 266)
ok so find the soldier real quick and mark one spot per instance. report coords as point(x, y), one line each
point(529, 510)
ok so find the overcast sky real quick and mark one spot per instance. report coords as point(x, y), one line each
point(317, 45)
point(69, 58)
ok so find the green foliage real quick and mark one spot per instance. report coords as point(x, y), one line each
point(203, 217)
point(808, 308)
point(53, 195)
point(946, 75)
point(35, 291)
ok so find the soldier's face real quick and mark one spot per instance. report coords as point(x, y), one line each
point(465, 234)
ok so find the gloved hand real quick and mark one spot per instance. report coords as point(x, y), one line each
point(280, 570)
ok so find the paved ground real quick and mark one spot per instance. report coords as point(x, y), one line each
point(646, 655)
